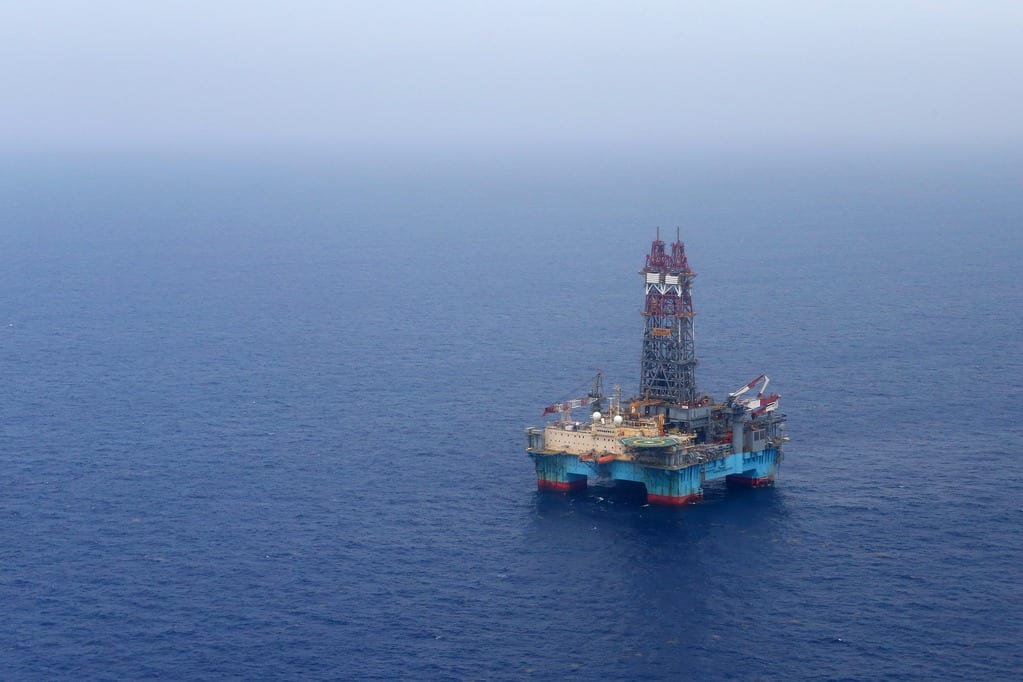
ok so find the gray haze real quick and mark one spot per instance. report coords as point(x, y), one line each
point(366, 75)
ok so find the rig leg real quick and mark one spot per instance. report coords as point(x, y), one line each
point(553, 473)
point(673, 488)
point(758, 470)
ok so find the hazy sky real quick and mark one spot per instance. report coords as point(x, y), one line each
point(454, 74)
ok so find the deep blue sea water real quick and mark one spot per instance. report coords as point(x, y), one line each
point(263, 418)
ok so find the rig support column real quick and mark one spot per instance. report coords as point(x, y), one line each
point(552, 473)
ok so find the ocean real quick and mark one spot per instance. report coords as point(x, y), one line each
point(262, 417)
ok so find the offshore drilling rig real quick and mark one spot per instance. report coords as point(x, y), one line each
point(671, 438)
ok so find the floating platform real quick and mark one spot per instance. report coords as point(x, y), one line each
point(672, 438)
point(677, 481)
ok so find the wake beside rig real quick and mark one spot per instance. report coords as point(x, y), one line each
point(671, 439)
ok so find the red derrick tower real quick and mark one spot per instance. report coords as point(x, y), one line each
point(669, 350)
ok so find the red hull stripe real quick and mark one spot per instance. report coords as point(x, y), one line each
point(560, 486)
point(673, 501)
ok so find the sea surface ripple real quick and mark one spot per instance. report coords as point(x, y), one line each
point(267, 422)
